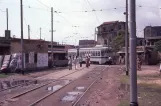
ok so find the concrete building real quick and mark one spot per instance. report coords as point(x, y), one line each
point(5, 43)
point(4, 46)
point(87, 43)
point(152, 34)
point(30, 45)
point(108, 30)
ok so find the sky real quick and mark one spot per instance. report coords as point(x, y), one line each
point(74, 19)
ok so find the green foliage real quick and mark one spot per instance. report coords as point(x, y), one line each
point(119, 41)
point(158, 46)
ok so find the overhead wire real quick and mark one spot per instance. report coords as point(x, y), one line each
point(93, 10)
point(2, 10)
point(43, 4)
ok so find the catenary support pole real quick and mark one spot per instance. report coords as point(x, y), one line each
point(127, 41)
point(40, 32)
point(52, 34)
point(22, 47)
point(133, 69)
point(7, 17)
point(28, 31)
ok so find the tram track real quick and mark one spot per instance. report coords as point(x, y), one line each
point(95, 78)
point(38, 87)
point(25, 83)
point(43, 85)
point(78, 100)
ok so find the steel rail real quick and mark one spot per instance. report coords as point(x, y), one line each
point(23, 93)
point(75, 103)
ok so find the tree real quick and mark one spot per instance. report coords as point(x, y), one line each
point(158, 46)
point(119, 41)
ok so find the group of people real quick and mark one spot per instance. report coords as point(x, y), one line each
point(75, 60)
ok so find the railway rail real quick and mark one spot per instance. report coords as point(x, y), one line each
point(75, 102)
point(38, 87)
point(20, 94)
point(78, 100)
point(25, 83)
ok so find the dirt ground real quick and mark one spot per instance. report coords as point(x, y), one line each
point(106, 91)
point(149, 87)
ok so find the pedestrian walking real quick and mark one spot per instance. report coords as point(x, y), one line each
point(110, 60)
point(80, 61)
point(87, 62)
point(138, 64)
point(75, 62)
point(70, 63)
point(89, 58)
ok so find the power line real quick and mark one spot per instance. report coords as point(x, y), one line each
point(93, 11)
point(43, 4)
point(2, 10)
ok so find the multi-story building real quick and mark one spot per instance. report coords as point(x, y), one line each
point(87, 43)
point(108, 30)
point(152, 34)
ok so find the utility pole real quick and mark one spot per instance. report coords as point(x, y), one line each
point(28, 31)
point(52, 34)
point(7, 17)
point(127, 41)
point(22, 56)
point(95, 36)
point(40, 33)
point(133, 70)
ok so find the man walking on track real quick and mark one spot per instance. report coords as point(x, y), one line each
point(80, 61)
point(87, 62)
point(70, 63)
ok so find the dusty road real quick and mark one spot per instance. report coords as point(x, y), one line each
point(105, 91)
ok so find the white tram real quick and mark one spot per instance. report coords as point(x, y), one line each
point(98, 54)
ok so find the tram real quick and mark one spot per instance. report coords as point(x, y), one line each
point(98, 54)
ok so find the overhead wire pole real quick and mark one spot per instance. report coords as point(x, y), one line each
point(127, 41)
point(22, 45)
point(7, 17)
point(52, 34)
point(133, 71)
point(40, 33)
point(28, 31)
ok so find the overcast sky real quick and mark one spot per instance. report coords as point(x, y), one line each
point(38, 15)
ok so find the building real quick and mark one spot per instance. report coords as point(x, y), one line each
point(87, 43)
point(35, 52)
point(108, 30)
point(5, 43)
point(152, 34)
point(152, 31)
point(30, 45)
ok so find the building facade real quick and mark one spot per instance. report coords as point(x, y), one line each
point(152, 34)
point(87, 43)
point(107, 31)
point(152, 31)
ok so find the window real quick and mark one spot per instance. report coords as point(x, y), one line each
point(105, 42)
point(103, 53)
point(26, 58)
point(119, 26)
point(35, 58)
point(99, 53)
point(104, 29)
